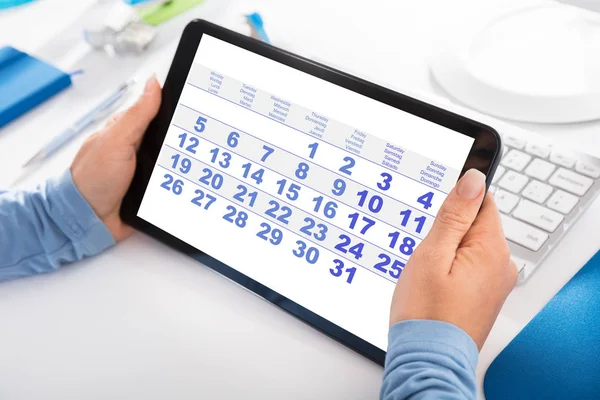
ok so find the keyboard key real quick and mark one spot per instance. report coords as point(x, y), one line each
point(498, 174)
point(522, 233)
point(538, 150)
point(570, 181)
point(513, 181)
point(514, 142)
point(563, 159)
point(537, 215)
point(516, 160)
point(505, 201)
point(562, 202)
point(587, 169)
point(492, 189)
point(537, 191)
point(540, 169)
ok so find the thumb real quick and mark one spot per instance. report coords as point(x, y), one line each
point(134, 122)
point(458, 212)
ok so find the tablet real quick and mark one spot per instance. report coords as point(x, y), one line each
point(308, 186)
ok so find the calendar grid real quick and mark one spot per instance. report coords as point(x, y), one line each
point(289, 204)
point(296, 181)
point(306, 160)
point(307, 238)
point(314, 137)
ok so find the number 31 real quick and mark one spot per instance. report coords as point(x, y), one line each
point(338, 270)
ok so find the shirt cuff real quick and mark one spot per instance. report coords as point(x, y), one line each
point(433, 336)
point(75, 217)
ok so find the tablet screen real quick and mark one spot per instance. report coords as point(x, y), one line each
point(315, 191)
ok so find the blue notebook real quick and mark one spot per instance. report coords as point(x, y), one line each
point(26, 82)
point(557, 355)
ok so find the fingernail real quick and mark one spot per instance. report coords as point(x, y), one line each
point(149, 84)
point(471, 184)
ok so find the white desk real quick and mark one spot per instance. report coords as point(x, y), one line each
point(142, 321)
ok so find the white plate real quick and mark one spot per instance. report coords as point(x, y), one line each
point(535, 64)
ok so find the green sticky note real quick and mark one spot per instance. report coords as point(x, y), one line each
point(155, 15)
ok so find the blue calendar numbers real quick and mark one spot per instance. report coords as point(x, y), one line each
point(339, 187)
point(302, 171)
point(200, 196)
point(256, 175)
point(310, 254)
point(200, 124)
point(213, 180)
point(278, 212)
point(235, 217)
point(313, 150)
point(232, 139)
point(184, 165)
point(268, 151)
point(394, 270)
point(193, 142)
point(225, 157)
point(243, 193)
point(320, 233)
point(293, 190)
point(419, 220)
point(329, 209)
point(406, 215)
point(354, 249)
point(406, 247)
point(374, 203)
point(338, 270)
point(349, 164)
point(274, 236)
point(368, 222)
point(173, 185)
point(386, 183)
point(425, 200)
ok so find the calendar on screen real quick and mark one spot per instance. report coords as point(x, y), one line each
point(317, 192)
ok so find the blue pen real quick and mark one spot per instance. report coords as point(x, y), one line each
point(99, 112)
point(256, 23)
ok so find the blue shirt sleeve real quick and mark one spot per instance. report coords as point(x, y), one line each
point(41, 230)
point(429, 360)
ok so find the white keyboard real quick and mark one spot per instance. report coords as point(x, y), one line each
point(541, 189)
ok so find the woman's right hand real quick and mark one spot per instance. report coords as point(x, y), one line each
point(461, 273)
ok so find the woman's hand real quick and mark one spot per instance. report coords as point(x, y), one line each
point(461, 273)
point(103, 169)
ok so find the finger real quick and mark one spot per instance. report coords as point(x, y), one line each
point(487, 236)
point(488, 223)
point(134, 122)
point(457, 213)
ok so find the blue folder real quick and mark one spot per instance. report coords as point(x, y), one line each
point(557, 355)
point(26, 82)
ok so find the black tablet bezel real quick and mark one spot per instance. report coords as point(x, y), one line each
point(485, 155)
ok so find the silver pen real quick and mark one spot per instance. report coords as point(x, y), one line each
point(99, 112)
